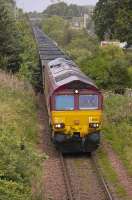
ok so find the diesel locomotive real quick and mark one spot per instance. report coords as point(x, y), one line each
point(73, 101)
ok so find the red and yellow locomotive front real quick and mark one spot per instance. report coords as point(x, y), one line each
point(76, 117)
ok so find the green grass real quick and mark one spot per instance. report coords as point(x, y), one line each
point(117, 131)
point(20, 161)
point(117, 128)
point(18, 111)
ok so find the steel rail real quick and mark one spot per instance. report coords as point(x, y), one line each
point(105, 186)
point(70, 193)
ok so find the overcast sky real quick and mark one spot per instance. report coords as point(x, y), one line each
point(40, 5)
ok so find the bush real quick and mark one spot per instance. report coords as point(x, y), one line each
point(109, 68)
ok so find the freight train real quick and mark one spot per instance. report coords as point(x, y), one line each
point(73, 101)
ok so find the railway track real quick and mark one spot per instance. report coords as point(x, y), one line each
point(75, 187)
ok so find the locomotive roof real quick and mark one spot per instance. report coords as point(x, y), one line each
point(64, 71)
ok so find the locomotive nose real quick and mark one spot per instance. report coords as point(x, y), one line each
point(77, 122)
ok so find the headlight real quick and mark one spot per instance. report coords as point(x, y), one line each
point(59, 125)
point(94, 125)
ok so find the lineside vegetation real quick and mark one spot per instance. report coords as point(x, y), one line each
point(20, 162)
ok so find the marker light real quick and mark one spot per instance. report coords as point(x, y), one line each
point(76, 91)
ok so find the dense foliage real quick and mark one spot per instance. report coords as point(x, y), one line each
point(66, 11)
point(29, 68)
point(57, 28)
point(20, 162)
point(18, 49)
point(113, 19)
point(110, 67)
point(9, 38)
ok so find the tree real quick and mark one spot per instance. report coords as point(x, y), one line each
point(123, 21)
point(59, 9)
point(113, 19)
point(109, 68)
point(56, 27)
point(9, 45)
point(67, 11)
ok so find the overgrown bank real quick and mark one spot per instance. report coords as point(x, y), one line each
point(20, 163)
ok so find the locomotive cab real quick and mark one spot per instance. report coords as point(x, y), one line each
point(76, 117)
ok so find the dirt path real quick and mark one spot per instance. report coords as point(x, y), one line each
point(125, 180)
